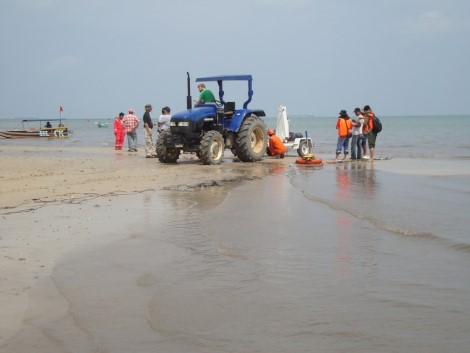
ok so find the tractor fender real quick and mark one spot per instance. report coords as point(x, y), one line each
point(239, 116)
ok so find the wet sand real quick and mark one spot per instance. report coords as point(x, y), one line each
point(53, 201)
point(115, 252)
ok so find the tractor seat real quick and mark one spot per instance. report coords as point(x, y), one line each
point(229, 109)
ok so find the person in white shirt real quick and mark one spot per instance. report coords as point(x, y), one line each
point(357, 135)
point(164, 120)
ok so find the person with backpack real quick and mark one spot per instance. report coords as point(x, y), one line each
point(372, 127)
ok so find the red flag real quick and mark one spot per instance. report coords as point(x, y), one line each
point(60, 109)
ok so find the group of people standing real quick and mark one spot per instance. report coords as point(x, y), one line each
point(128, 125)
point(360, 131)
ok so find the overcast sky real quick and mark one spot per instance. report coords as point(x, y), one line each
point(99, 57)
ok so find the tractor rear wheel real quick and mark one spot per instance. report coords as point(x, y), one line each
point(252, 140)
point(166, 150)
point(212, 148)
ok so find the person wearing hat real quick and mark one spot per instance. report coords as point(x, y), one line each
point(343, 125)
point(148, 126)
point(356, 141)
point(275, 145)
point(131, 123)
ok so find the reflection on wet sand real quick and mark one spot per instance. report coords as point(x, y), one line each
point(298, 258)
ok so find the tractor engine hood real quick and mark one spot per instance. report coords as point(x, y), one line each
point(192, 120)
point(195, 114)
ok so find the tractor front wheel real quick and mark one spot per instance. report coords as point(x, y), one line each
point(166, 150)
point(212, 148)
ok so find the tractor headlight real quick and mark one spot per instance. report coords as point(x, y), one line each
point(183, 123)
point(172, 123)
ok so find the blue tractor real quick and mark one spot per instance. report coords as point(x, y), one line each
point(208, 129)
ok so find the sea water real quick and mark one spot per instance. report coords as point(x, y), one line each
point(352, 257)
point(402, 136)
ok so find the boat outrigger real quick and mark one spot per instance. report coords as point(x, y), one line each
point(46, 130)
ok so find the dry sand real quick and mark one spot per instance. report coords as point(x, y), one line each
point(41, 175)
point(35, 180)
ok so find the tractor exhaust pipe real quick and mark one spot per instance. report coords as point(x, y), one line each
point(189, 103)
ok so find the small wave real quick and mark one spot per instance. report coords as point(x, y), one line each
point(227, 251)
point(462, 247)
point(405, 232)
point(388, 227)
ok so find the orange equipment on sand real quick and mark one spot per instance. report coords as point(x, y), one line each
point(309, 159)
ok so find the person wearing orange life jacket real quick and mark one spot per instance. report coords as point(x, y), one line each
point(275, 146)
point(367, 130)
point(343, 125)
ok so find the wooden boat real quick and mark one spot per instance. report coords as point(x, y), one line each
point(47, 130)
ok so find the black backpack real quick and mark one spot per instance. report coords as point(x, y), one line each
point(377, 125)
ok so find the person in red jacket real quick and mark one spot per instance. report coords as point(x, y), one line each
point(119, 132)
point(275, 147)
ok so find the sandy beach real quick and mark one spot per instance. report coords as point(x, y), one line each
point(39, 175)
point(106, 251)
point(36, 179)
